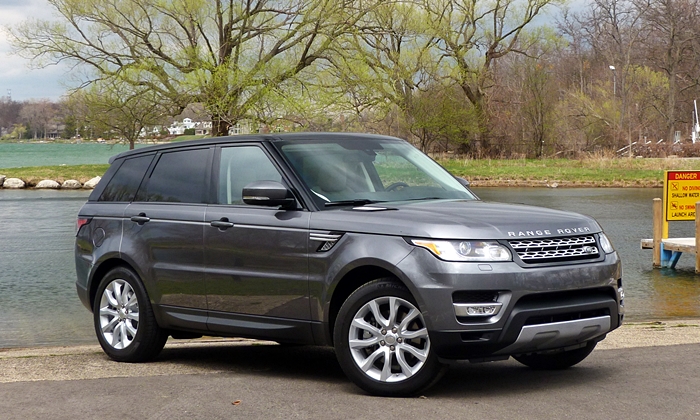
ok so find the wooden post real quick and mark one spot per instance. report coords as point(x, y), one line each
point(697, 238)
point(658, 224)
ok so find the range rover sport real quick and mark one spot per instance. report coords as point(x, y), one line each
point(360, 242)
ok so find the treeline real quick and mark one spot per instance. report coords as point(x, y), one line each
point(480, 77)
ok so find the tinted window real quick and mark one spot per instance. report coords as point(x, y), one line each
point(239, 167)
point(178, 177)
point(123, 186)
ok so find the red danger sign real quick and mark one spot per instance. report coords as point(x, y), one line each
point(681, 192)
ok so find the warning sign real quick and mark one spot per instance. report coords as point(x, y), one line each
point(682, 190)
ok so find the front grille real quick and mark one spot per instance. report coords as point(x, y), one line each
point(544, 250)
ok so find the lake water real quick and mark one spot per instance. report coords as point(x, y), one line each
point(15, 155)
point(39, 305)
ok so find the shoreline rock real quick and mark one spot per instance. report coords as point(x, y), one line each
point(13, 184)
point(92, 183)
point(71, 184)
point(48, 184)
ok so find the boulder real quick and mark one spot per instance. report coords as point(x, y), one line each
point(92, 183)
point(71, 184)
point(2, 180)
point(14, 183)
point(48, 184)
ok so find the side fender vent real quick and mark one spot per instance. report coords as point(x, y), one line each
point(327, 240)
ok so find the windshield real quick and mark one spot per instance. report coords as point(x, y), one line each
point(366, 170)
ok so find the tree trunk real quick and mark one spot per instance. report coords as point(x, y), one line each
point(478, 100)
point(219, 127)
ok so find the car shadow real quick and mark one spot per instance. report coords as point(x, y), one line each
point(319, 364)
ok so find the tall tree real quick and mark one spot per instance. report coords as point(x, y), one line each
point(673, 50)
point(227, 54)
point(615, 30)
point(9, 114)
point(37, 114)
point(387, 61)
point(474, 35)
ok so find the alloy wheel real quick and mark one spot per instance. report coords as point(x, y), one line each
point(119, 314)
point(388, 339)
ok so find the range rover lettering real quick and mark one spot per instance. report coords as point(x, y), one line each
point(355, 241)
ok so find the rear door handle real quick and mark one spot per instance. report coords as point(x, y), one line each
point(140, 219)
point(222, 224)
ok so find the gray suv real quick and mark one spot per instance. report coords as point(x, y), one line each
point(356, 241)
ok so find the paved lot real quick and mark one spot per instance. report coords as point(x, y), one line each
point(246, 379)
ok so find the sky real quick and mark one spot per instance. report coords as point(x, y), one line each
point(15, 72)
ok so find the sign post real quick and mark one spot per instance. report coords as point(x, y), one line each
point(681, 192)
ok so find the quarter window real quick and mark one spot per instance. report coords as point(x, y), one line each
point(178, 177)
point(239, 167)
point(124, 183)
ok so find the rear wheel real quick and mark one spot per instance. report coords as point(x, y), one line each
point(124, 322)
point(554, 361)
point(382, 342)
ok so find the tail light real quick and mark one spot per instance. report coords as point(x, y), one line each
point(82, 221)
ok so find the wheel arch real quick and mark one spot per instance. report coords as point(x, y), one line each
point(101, 270)
point(353, 280)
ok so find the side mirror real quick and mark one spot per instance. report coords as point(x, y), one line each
point(463, 181)
point(268, 193)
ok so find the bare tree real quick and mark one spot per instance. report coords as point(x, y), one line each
point(120, 109)
point(9, 114)
point(474, 35)
point(37, 115)
point(672, 49)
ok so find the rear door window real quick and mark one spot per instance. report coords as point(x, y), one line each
point(125, 183)
point(178, 177)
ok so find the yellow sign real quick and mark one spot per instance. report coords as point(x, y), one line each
point(681, 192)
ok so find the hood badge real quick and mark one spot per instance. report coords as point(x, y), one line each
point(548, 232)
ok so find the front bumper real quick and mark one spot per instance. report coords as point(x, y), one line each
point(539, 309)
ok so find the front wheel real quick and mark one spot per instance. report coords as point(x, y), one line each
point(124, 322)
point(554, 361)
point(382, 343)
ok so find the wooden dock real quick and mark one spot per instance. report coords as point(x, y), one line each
point(667, 251)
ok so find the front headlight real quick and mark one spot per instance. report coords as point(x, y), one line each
point(477, 251)
point(605, 243)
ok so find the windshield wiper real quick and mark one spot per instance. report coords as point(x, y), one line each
point(425, 198)
point(355, 202)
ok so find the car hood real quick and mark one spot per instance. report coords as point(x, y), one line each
point(454, 219)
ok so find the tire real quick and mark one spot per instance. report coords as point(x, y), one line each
point(124, 322)
point(555, 361)
point(384, 352)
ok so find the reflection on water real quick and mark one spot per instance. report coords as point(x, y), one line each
point(39, 305)
point(38, 302)
point(676, 293)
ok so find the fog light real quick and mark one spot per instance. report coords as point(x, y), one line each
point(481, 310)
point(477, 309)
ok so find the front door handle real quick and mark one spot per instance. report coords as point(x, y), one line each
point(140, 219)
point(222, 224)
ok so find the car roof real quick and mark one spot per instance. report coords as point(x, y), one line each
point(302, 136)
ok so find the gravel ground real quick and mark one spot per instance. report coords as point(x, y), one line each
point(89, 362)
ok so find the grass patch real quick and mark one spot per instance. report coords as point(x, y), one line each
point(192, 137)
point(34, 174)
point(595, 171)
